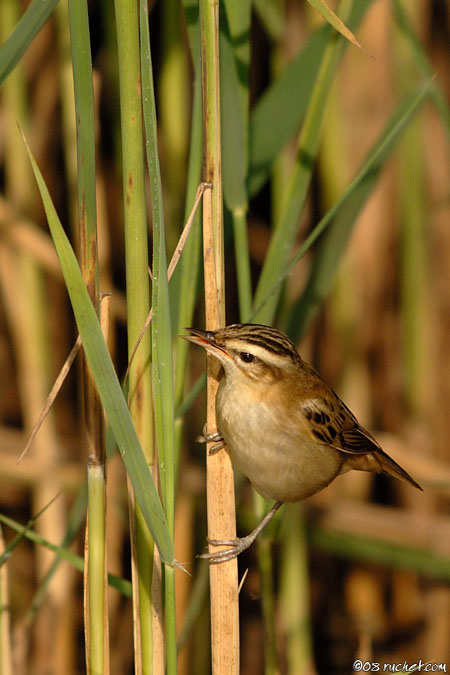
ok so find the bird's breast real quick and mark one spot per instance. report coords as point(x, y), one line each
point(273, 449)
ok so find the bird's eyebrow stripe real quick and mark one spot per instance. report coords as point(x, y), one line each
point(269, 339)
point(269, 344)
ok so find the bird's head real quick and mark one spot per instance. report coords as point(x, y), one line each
point(249, 351)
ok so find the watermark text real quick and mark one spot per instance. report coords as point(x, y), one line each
point(402, 667)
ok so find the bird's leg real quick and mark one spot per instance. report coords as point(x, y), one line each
point(208, 438)
point(238, 544)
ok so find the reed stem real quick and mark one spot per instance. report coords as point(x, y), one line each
point(220, 483)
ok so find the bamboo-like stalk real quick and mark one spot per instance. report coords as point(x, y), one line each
point(220, 484)
point(138, 303)
point(96, 626)
point(162, 369)
point(95, 560)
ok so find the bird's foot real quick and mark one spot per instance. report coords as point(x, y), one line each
point(209, 438)
point(236, 546)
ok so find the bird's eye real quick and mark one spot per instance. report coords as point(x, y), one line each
point(246, 357)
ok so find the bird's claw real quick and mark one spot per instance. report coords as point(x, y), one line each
point(209, 438)
point(237, 545)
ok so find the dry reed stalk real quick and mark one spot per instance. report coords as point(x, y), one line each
point(220, 492)
point(220, 482)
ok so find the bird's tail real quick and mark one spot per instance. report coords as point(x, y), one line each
point(379, 462)
point(391, 468)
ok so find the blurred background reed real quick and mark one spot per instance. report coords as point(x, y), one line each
point(361, 570)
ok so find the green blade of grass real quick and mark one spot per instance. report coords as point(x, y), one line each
point(140, 398)
point(75, 520)
point(286, 101)
point(106, 379)
point(95, 583)
point(191, 15)
point(84, 109)
point(422, 60)
point(294, 591)
point(162, 365)
point(234, 98)
point(271, 15)
point(77, 562)
point(161, 325)
point(16, 540)
point(341, 225)
point(353, 198)
point(233, 132)
point(332, 18)
point(298, 183)
point(23, 34)
point(233, 118)
point(184, 284)
point(378, 551)
point(329, 255)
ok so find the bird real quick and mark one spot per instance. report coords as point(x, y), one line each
point(285, 429)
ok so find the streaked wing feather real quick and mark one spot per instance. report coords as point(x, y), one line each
point(333, 424)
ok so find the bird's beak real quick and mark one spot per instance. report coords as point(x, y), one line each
point(206, 339)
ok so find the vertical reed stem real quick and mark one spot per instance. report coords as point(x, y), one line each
point(138, 301)
point(95, 589)
point(162, 367)
point(220, 484)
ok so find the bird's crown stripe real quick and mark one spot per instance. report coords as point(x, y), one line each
point(262, 336)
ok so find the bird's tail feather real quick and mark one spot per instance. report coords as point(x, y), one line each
point(379, 462)
point(389, 466)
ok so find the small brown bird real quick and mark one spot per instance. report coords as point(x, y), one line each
point(285, 429)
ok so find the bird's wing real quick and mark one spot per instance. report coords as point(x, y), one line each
point(333, 424)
